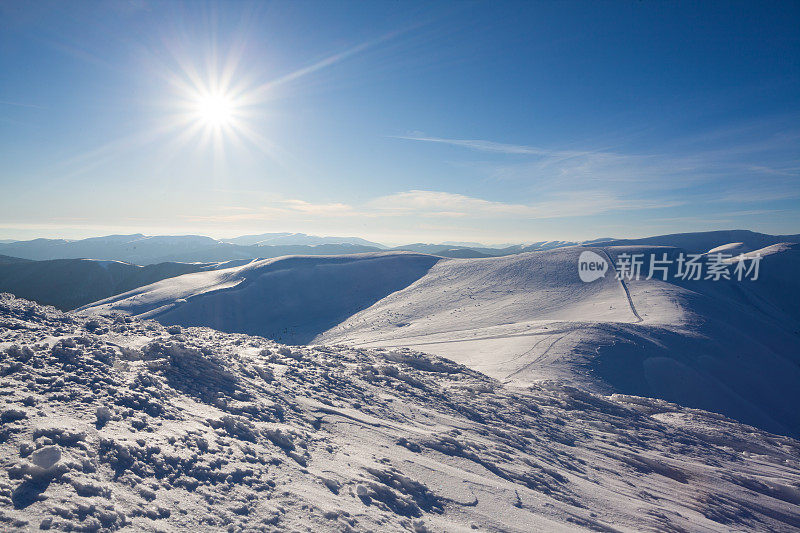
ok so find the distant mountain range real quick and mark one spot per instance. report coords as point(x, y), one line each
point(295, 239)
point(71, 273)
point(140, 249)
point(146, 250)
point(705, 241)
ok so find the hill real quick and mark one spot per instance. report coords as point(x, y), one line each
point(700, 242)
point(292, 299)
point(71, 283)
point(730, 347)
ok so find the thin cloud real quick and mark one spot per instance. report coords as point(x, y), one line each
point(690, 171)
point(444, 204)
point(20, 104)
point(509, 149)
point(749, 196)
point(477, 144)
point(330, 60)
point(435, 205)
point(279, 209)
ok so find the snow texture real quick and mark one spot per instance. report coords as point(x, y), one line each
point(115, 423)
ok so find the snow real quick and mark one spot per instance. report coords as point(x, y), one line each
point(291, 298)
point(266, 239)
point(70, 283)
point(147, 250)
point(116, 423)
point(400, 391)
point(728, 347)
point(703, 241)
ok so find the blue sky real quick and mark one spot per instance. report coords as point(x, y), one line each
point(399, 121)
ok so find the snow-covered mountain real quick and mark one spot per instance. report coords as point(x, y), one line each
point(136, 248)
point(730, 347)
point(71, 283)
point(274, 239)
point(704, 241)
point(444, 250)
point(292, 299)
point(145, 250)
point(121, 424)
point(476, 250)
point(726, 346)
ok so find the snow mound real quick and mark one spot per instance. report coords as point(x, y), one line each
point(110, 423)
point(730, 248)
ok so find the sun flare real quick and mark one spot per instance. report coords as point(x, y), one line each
point(212, 112)
point(215, 104)
point(215, 109)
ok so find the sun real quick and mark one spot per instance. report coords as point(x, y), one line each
point(215, 107)
point(211, 112)
point(215, 110)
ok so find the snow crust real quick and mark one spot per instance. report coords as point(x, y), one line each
point(115, 423)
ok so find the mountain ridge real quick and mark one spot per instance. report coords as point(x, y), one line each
point(527, 317)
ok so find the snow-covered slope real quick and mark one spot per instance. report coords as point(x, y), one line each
point(703, 241)
point(115, 423)
point(292, 299)
point(725, 346)
point(475, 306)
point(730, 347)
point(71, 283)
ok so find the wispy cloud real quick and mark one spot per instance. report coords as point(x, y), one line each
point(742, 196)
point(572, 204)
point(567, 167)
point(415, 204)
point(330, 61)
point(323, 209)
point(20, 104)
point(712, 171)
point(480, 145)
point(277, 209)
point(514, 149)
